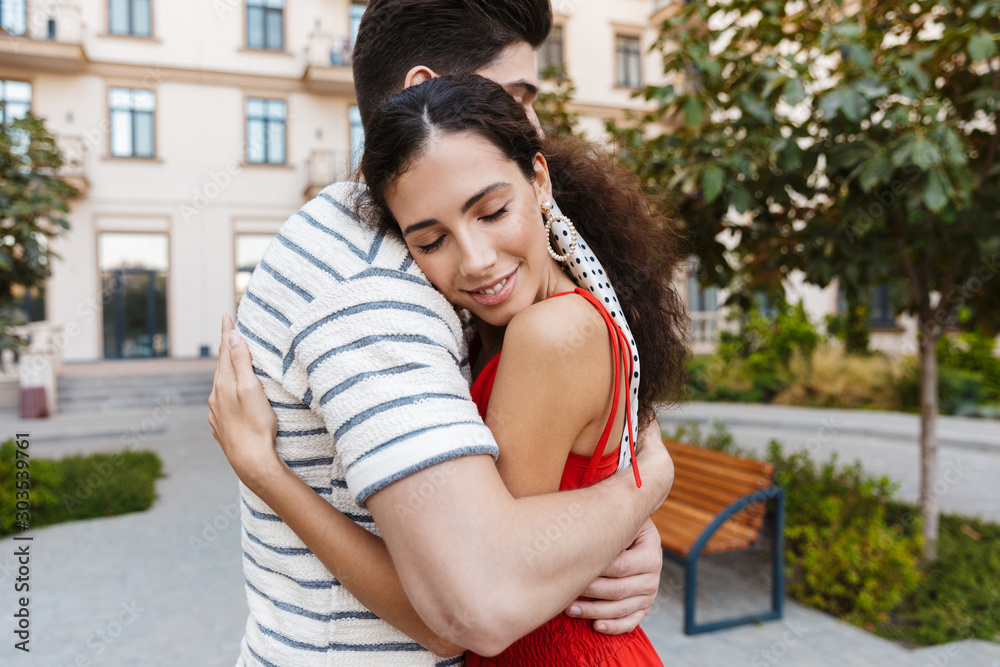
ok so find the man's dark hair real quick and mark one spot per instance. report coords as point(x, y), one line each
point(448, 36)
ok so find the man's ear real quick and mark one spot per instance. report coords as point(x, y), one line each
point(543, 184)
point(418, 75)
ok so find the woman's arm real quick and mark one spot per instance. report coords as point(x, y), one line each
point(245, 426)
point(553, 393)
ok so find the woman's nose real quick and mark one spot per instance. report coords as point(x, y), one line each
point(478, 255)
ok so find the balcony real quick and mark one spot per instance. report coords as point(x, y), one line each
point(704, 332)
point(329, 69)
point(73, 171)
point(326, 167)
point(43, 36)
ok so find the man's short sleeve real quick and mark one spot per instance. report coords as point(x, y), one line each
point(379, 358)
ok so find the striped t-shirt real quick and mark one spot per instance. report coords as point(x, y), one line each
point(366, 368)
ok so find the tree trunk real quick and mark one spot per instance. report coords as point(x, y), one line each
point(856, 339)
point(928, 438)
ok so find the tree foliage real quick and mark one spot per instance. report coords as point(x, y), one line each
point(33, 199)
point(855, 141)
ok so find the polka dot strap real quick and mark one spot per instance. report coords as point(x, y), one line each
point(588, 273)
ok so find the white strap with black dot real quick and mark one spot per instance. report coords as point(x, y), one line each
point(588, 273)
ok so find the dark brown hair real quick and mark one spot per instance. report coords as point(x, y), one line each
point(621, 225)
point(448, 36)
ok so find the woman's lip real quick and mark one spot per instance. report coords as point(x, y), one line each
point(499, 297)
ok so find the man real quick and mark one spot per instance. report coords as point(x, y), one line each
point(364, 365)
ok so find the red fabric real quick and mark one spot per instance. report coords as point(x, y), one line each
point(565, 641)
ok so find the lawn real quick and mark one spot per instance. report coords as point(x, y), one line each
point(75, 487)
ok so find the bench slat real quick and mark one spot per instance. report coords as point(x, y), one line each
point(705, 483)
point(720, 458)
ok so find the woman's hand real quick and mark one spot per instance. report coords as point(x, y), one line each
point(625, 592)
point(242, 420)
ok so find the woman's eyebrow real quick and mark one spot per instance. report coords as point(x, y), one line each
point(417, 226)
point(482, 193)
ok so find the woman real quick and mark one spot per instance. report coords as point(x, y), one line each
point(455, 167)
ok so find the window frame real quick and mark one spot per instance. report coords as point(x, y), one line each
point(622, 34)
point(23, 5)
point(246, 132)
point(546, 48)
point(265, 12)
point(4, 101)
point(130, 4)
point(133, 112)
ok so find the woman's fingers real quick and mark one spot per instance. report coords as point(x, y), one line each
point(619, 626)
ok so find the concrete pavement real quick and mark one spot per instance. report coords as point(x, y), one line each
point(165, 587)
point(886, 443)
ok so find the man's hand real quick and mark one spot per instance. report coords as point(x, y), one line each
point(242, 420)
point(626, 590)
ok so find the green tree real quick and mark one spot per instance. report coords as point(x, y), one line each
point(552, 105)
point(855, 141)
point(32, 201)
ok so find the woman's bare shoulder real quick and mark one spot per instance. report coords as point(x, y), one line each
point(557, 331)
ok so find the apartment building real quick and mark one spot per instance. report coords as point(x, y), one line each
point(196, 127)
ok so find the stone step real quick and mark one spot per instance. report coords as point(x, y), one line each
point(127, 392)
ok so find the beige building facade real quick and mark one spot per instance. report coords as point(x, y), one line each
point(196, 127)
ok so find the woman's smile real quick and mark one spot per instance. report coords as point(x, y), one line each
point(496, 293)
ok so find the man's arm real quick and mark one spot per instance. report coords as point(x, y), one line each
point(244, 426)
point(484, 569)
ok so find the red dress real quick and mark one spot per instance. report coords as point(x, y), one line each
point(565, 641)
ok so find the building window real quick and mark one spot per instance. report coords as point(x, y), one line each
point(551, 53)
point(249, 251)
point(266, 131)
point(357, 11)
point(880, 313)
point(701, 299)
point(129, 17)
point(628, 55)
point(266, 24)
point(13, 16)
point(15, 100)
point(134, 294)
point(357, 138)
point(31, 301)
point(132, 122)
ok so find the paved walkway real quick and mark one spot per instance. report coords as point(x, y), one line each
point(165, 587)
point(886, 443)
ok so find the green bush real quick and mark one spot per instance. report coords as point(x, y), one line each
point(959, 598)
point(80, 487)
point(842, 554)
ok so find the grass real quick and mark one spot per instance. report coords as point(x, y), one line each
point(78, 487)
point(959, 597)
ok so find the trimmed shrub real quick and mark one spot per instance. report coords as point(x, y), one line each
point(842, 554)
point(80, 487)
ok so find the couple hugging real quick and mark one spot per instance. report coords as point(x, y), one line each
point(392, 515)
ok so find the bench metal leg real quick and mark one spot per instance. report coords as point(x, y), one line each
point(690, 565)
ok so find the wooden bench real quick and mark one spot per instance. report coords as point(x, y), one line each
point(719, 504)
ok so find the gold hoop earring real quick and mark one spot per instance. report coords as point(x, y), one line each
point(551, 218)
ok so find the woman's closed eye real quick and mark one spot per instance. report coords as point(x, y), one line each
point(502, 211)
point(431, 247)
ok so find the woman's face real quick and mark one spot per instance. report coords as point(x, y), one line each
point(473, 224)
